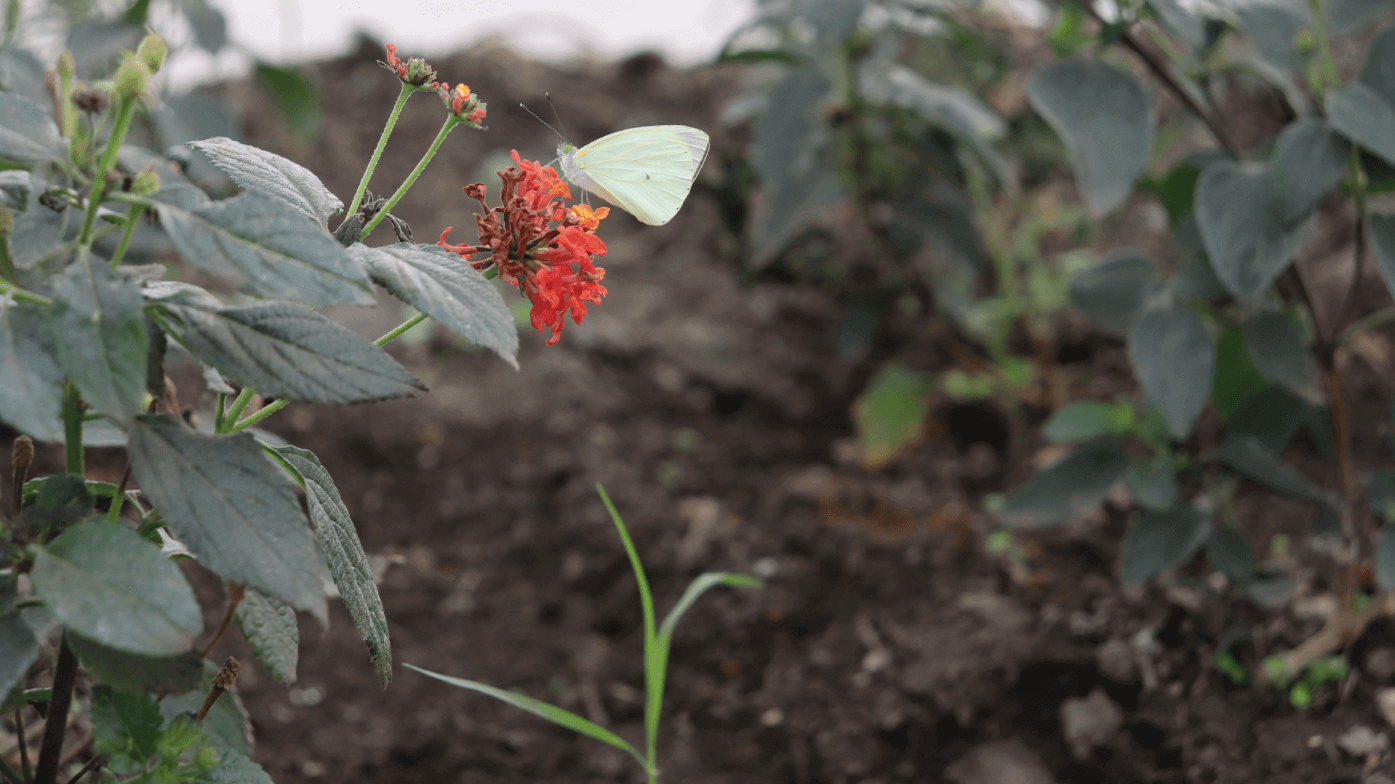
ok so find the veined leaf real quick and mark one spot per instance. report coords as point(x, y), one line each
point(136, 673)
point(230, 506)
point(99, 335)
point(30, 381)
point(269, 627)
point(1242, 218)
point(27, 132)
point(1161, 540)
point(1069, 487)
point(253, 168)
point(1174, 359)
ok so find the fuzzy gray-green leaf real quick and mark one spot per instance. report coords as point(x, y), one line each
point(253, 168)
point(1161, 540)
point(99, 337)
point(30, 381)
point(1174, 360)
point(107, 583)
point(27, 132)
point(134, 672)
point(343, 551)
point(230, 505)
point(446, 288)
point(279, 348)
point(1242, 217)
point(270, 627)
point(1071, 486)
point(257, 241)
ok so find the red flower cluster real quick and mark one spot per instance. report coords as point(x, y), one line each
point(462, 103)
point(416, 71)
point(534, 254)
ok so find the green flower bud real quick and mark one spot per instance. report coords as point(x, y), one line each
point(152, 52)
point(132, 77)
point(145, 183)
point(66, 65)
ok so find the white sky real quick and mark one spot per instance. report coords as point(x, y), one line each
point(288, 31)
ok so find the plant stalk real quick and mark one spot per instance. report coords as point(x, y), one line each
point(72, 430)
point(407, 90)
point(132, 214)
point(451, 122)
point(125, 110)
point(64, 676)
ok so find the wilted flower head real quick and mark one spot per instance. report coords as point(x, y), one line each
point(535, 239)
point(415, 72)
point(462, 103)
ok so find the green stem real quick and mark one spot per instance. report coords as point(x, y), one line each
point(407, 90)
point(22, 295)
point(451, 122)
point(132, 214)
point(114, 513)
point(220, 415)
point(653, 681)
point(238, 406)
point(1327, 69)
point(273, 407)
point(72, 430)
point(7, 267)
point(125, 110)
point(400, 328)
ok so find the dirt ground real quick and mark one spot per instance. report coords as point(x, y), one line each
point(889, 644)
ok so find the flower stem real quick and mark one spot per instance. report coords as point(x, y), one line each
point(407, 90)
point(64, 676)
point(273, 407)
point(451, 122)
point(125, 110)
point(131, 215)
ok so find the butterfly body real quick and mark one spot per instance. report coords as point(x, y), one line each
point(646, 171)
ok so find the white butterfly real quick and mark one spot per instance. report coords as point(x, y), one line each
point(646, 171)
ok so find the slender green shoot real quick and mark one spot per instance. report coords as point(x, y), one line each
point(407, 90)
point(451, 122)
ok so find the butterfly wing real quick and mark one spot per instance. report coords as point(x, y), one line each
point(645, 171)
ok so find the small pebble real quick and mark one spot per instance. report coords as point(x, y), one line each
point(1362, 741)
point(1385, 701)
point(1089, 722)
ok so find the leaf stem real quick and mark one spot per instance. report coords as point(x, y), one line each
point(64, 676)
point(407, 90)
point(451, 122)
point(72, 430)
point(220, 413)
point(131, 215)
point(125, 109)
point(22, 295)
point(238, 406)
point(653, 681)
point(399, 329)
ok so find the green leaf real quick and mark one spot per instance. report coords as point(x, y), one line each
point(1272, 415)
point(1079, 422)
point(1385, 558)
point(1361, 114)
point(279, 348)
point(210, 27)
point(125, 728)
point(105, 582)
point(256, 169)
point(1381, 229)
point(787, 149)
point(135, 673)
point(227, 723)
point(1279, 353)
point(699, 586)
point(1113, 291)
point(1308, 160)
point(1153, 482)
point(889, 415)
point(1247, 454)
point(1181, 22)
point(270, 628)
point(27, 132)
point(1241, 216)
point(1177, 191)
point(18, 649)
point(1230, 554)
point(1237, 379)
point(1378, 72)
point(99, 334)
point(1272, 29)
point(59, 500)
point(256, 241)
point(1344, 16)
point(234, 767)
point(1104, 117)
point(229, 504)
point(295, 98)
point(348, 564)
point(1158, 541)
point(30, 381)
point(1173, 358)
point(22, 73)
point(553, 714)
point(1070, 487)
point(446, 288)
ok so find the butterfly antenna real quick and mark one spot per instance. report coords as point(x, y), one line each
point(541, 120)
point(555, 115)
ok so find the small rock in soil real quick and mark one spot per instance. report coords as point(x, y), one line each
point(1380, 664)
point(1362, 741)
point(1000, 762)
point(1088, 722)
point(1385, 700)
point(1115, 659)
